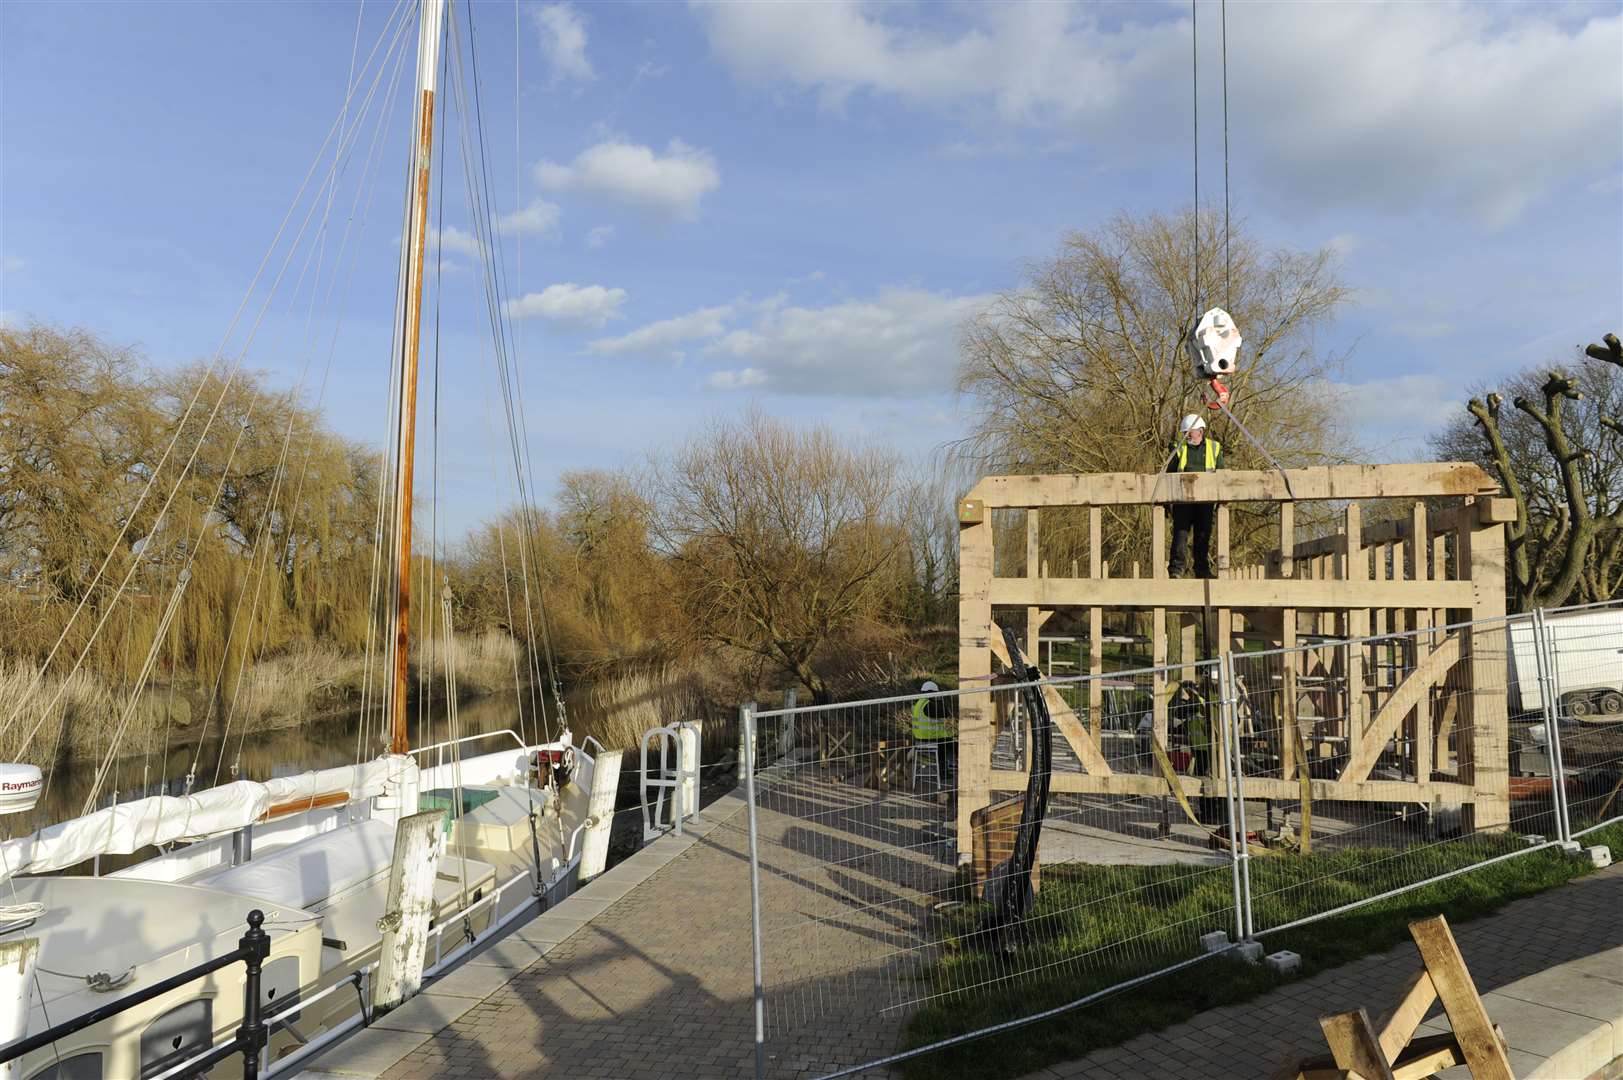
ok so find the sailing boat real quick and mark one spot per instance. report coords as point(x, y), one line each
point(313, 851)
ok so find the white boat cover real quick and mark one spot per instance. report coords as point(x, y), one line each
point(310, 871)
point(162, 819)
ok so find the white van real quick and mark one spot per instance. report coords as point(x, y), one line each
point(1588, 651)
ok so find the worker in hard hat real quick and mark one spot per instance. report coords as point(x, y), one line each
point(1194, 451)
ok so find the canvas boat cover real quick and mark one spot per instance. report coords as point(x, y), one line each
point(163, 819)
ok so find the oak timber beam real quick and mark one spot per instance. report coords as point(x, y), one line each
point(1231, 593)
point(1483, 512)
point(1256, 787)
point(1410, 481)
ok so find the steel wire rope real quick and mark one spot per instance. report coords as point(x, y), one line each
point(1194, 82)
point(365, 185)
point(180, 427)
point(526, 523)
point(519, 433)
point(527, 526)
point(224, 390)
point(487, 234)
point(346, 145)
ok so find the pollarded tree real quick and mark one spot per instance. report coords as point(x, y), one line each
point(1559, 455)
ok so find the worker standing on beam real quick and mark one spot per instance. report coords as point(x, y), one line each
point(1193, 452)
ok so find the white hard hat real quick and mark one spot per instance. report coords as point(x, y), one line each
point(1190, 423)
point(928, 687)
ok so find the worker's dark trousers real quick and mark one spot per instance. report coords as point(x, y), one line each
point(1196, 519)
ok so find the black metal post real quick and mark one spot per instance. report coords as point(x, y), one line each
point(251, 1036)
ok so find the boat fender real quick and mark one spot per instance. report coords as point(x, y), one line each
point(20, 787)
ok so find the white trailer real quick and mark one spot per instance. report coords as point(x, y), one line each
point(1587, 651)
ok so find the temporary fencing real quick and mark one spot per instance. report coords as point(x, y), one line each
point(1249, 794)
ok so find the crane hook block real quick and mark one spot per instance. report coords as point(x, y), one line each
point(1214, 344)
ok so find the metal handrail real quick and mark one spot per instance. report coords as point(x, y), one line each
point(470, 738)
point(252, 949)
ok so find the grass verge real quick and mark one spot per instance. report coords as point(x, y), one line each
point(1094, 926)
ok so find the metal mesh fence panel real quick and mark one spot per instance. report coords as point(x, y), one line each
point(875, 907)
point(1585, 661)
point(1372, 766)
point(1249, 794)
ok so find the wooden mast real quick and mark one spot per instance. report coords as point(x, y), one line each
point(431, 27)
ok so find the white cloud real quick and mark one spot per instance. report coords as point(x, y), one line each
point(902, 342)
point(1483, 106)
point(661, 338)
point(599, 236)
point(668, 186)
point(569, 306)
point(1404, 407)
point(537, 218)
point(563, 41)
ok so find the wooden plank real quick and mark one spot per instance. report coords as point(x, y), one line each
point(1414, 692)
point(1355, 573)
point(1190, 594)
point(1490, 511)
point(1287, 539)
point(1033, 622)
point(1406, 481)
point(419, 840)
point(1353, 1044)
point(1490, 677)
point(1466, 1014)
point(1220, 541)
point(976, 716)
point(1256, 787)
point(1096, 615)
point(1398, 1026)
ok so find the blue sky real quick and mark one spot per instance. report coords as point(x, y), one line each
point(797, 205)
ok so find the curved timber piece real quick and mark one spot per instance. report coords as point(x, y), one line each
point(1065, 718)
point(1410, 694)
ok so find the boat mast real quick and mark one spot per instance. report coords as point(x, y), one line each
point(431, 22)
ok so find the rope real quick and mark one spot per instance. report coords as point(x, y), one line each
point(180, 427)
point(1194, 63)
point(1228, 292)
point(487, 231)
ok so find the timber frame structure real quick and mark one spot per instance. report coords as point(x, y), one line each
point(1425, 568)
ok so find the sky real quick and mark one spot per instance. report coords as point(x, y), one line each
point(708, 205)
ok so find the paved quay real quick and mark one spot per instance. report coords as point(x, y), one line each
point(646, 973)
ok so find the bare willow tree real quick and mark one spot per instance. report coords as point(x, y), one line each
point(1559, 455)
point(782, 540)
point(1082, 367)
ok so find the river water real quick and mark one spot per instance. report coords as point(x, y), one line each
point(260, 755)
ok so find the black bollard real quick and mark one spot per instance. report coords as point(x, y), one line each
point(255, 945)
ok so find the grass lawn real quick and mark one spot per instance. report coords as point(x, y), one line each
point(1098, 925)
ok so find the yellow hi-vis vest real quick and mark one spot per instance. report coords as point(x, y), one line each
point(1212, 447)
point(928, 727)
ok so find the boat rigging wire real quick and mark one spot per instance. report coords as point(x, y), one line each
point(157, 470)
